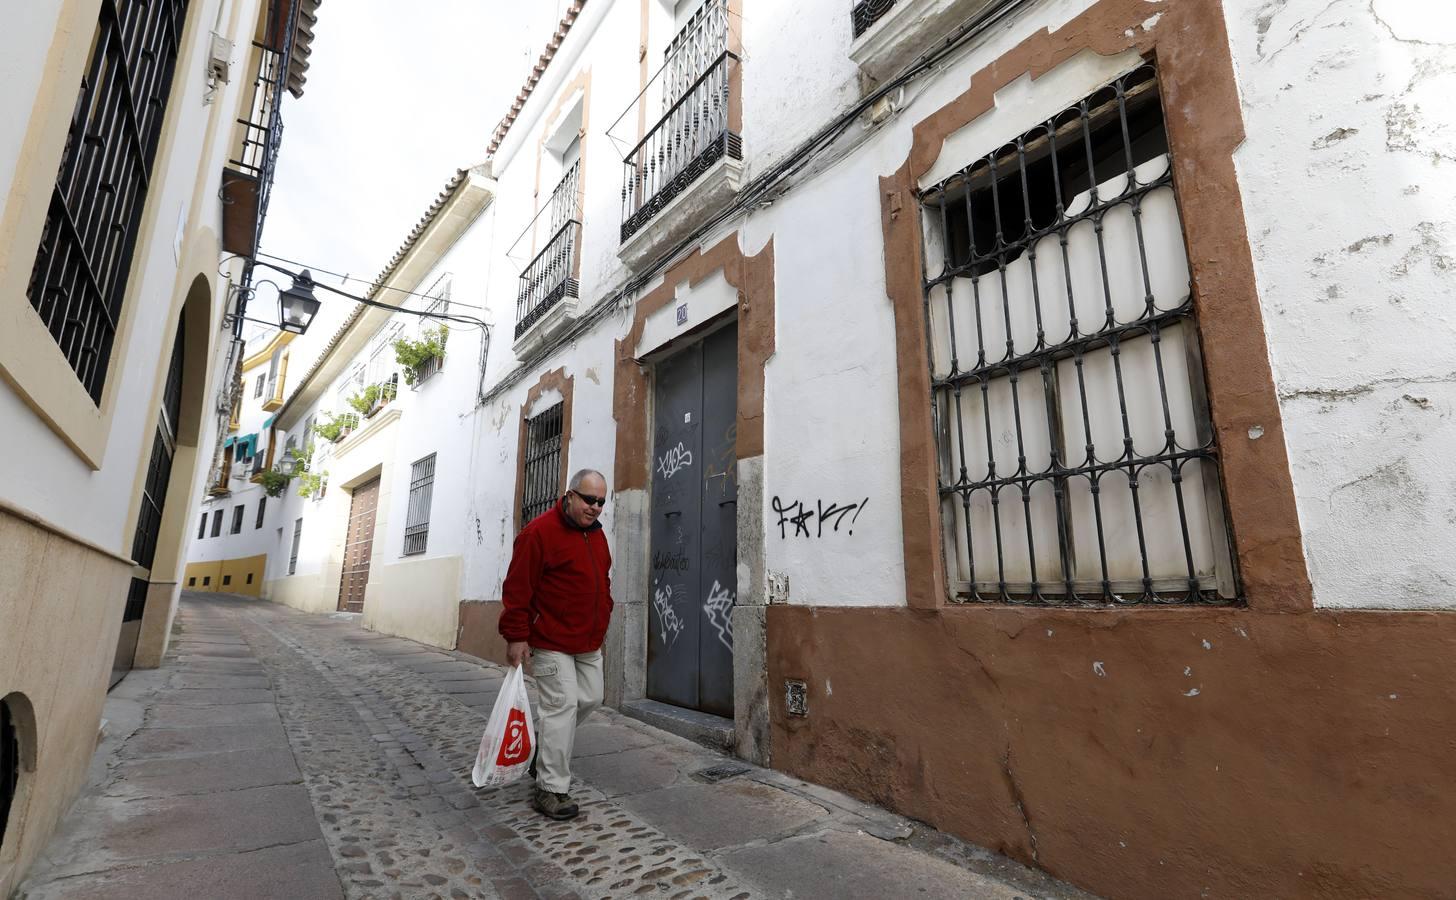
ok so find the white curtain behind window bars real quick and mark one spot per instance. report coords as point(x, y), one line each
point(996, 435)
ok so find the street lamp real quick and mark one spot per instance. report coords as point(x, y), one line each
point(297, 306)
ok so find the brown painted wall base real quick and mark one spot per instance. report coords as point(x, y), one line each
point(478, 635)
point(1146, 753)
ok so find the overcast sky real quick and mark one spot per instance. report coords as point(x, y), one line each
point(398, 97)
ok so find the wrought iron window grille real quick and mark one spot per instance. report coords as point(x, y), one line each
point(216, 522)
point(693, 132)
point(541, 467)
point(78, 281)
point(551, 275)
point(417, 517)
point(1078, 464)
point(237, 526)
point(865, 13)
point(262, 509)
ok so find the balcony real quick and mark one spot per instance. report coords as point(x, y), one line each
point(546, 297)
point(247, 179)
point(690, 163)
point(888, 34)
point(273, 394)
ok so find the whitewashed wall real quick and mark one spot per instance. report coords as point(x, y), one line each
point(57, 483)
point(1348, 173)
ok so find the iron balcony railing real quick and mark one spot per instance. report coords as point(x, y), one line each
point(693, 132)
point(867, 12)
point(549, 277)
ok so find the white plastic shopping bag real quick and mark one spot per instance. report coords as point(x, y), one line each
point(509, 739)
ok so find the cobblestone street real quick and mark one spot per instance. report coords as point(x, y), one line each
point(280, 755)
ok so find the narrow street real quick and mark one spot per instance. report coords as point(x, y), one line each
point(280, 755)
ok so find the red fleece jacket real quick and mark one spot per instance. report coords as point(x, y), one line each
point(558, 589)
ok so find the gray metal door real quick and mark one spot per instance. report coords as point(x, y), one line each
point(694, 527)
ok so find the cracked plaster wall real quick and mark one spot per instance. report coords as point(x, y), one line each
point(1348, 176)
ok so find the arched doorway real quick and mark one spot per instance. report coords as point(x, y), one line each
point(166, 489)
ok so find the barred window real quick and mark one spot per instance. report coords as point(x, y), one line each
point(417, 518)
point(81, 269)
point(216, 522)
point(202, 528)
point(237, 519)
point(258, 387)
point(1077, 457)
point(262, 506)
point(293, 553)
point(541, 463)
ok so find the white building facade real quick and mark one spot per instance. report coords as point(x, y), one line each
point(135, 163)
point(1021, 414)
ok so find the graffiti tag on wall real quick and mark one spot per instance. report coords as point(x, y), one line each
point(804, 520)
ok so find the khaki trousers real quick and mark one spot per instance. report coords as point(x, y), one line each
point(570, 687)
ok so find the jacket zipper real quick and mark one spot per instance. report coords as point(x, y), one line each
point(596, 614)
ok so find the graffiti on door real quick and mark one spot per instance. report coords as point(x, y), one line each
point(719, 610)
point(674, 460)
point(669, 625)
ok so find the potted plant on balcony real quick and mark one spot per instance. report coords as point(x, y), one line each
point(273, 481)
point(421, 358)
point(373, 398)
point(337, 427)
point(310, 484)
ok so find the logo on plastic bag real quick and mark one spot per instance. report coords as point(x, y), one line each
point(505, 748)
point(516, 745)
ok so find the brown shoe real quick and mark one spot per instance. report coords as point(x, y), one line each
point(554, 806)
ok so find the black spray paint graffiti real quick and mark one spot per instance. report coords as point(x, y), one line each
point(663, 561)
point(808, 521)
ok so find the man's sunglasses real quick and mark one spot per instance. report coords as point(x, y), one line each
point(588, 499)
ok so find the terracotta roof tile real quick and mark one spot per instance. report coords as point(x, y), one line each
point(553, 45)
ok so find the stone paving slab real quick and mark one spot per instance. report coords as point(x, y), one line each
point(302, 871)
point(204, 739)
point(633, 771)
point(204, 773)
point(223, 681)
point(218, 696)
point(174, 715)
point(830, 866)
point(742, 811)
point(179, 827)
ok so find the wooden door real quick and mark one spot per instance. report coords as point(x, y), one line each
point(358, 545)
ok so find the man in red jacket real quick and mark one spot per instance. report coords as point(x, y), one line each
point(557, 600)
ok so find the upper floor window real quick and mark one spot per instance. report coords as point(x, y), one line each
point(79, 280)
point(1077, 458)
